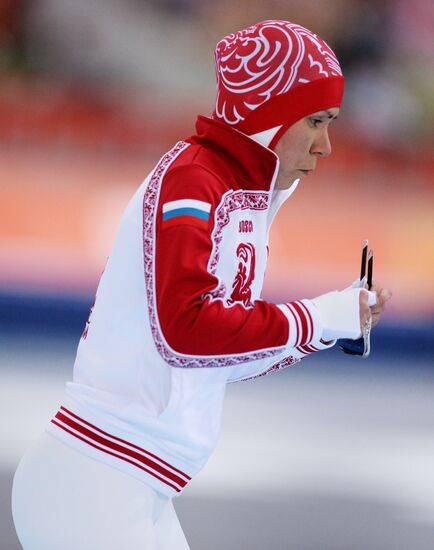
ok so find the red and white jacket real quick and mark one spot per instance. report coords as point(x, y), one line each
point(178, 312)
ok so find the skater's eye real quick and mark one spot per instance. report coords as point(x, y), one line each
point(321, 117)
point(315, 121)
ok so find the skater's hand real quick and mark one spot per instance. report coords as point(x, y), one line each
point(383, 295)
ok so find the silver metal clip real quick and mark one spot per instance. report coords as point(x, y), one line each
point(366, 333)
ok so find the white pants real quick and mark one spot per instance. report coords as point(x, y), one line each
point(62, 499)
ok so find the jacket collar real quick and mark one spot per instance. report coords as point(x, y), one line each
point(258, 163)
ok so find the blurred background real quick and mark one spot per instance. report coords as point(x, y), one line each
point(336, 453)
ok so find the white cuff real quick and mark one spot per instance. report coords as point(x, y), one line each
point(339, 313)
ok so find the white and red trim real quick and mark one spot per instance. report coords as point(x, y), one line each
point(309, 348)
point(231, 201)
point(280, 365)
point(303, 323)
point(121, 449)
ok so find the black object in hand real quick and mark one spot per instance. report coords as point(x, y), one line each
point(361, 346)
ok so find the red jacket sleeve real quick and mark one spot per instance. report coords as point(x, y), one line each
point(192, 324)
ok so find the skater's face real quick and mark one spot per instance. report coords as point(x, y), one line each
point(302, 144)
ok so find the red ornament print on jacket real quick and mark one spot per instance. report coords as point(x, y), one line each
point(244, 278)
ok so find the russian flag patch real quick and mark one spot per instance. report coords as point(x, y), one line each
point(190, 211)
